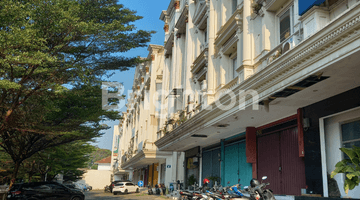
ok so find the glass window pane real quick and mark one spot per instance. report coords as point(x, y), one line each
point(234, 5)
point(350, 131)
point(235, 67)
point(285, 26)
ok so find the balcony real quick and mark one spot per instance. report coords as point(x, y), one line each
point(199, 68)
point(145, 157)
point(272, 5)
point(228, 30)
point(200, 16)
point(183, 19)
point(169, 44)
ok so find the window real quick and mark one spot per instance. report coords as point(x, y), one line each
point(234, 65)
point(286, 24)
point(234, 5)
point(350, 134)
point(205, 36)
point(129, 184)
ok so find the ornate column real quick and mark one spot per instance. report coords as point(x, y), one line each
point(211, 73)
point(247, 46)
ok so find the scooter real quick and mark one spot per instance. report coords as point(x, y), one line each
point(107, 189)
point(257, 190)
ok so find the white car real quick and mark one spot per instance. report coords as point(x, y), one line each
point(125, 187)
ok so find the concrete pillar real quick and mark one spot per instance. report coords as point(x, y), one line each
point(131, 175)
point(174, 167)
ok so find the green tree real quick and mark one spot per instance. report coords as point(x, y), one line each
point(350, 167)
point(46, 45)
point(69, 159)
point(97, 155)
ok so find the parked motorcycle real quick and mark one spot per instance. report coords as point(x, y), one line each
point(157, 189)
point(150, 191)
point(107, 189)
point(163, 188)
point(257, 190)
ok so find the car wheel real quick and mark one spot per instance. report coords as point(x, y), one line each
point(115, 193)
point(76, 198)
point(137, 190)
point(126, 191)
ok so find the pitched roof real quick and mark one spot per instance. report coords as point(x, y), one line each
point(105, 160)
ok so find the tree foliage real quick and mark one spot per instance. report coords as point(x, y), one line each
point(53, 54)
point(97, 155)
point(70, 160)
point(350, 167)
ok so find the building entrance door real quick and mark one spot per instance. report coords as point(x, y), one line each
point(278, 159)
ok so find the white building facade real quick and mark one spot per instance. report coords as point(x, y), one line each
point(246, 88)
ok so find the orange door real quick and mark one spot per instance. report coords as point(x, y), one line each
point(151, 173)
point(155, 174)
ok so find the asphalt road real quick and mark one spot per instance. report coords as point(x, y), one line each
point(101, 195)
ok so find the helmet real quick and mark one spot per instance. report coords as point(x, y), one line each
point(254, 182)
point(206, 181)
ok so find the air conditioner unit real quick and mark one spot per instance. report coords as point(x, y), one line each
point(287, 45)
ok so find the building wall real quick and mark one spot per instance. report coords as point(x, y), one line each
point(104, 166)
point(333, 142)
point(97, 179)
point(258, 41)
point(314, 112)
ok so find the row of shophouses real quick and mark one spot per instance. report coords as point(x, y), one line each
point(243, 89)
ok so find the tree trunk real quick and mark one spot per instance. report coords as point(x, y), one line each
point(14, 175)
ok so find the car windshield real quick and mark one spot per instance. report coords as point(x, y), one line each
point(119, 184)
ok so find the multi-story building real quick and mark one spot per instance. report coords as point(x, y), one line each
point(247, 88)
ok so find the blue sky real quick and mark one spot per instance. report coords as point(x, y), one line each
point(150, 10)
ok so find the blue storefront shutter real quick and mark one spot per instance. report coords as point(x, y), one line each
point(231, 165)
point(215, 171)
point(211, 164)
point(245, 169)
point(236, 167)
point(206, 164)
point(305, 5)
